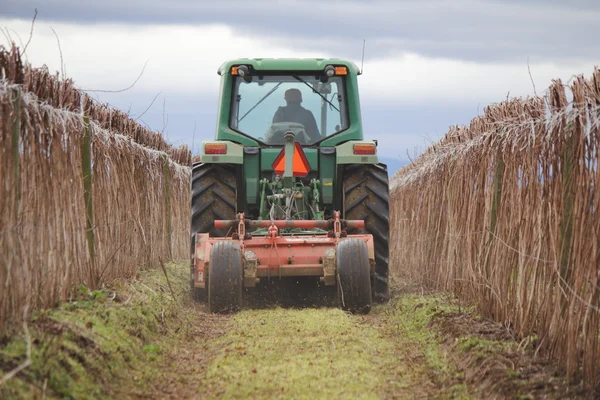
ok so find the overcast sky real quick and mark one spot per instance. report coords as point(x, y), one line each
point(428, 64)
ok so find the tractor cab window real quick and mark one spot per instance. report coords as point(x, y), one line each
point(266, 107)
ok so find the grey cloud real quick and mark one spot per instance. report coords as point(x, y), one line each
point(488, 31)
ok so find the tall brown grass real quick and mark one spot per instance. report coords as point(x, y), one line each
point(505, 212)
point(54, 235)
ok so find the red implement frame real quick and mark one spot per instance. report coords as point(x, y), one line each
point(276, 255)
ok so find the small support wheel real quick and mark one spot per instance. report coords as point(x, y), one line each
point(354, 276)
point(226, 274)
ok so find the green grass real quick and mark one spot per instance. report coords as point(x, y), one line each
point(408, 319)
point(326, 353)
point(94, 346)
point(300, 354)
point(143, 343)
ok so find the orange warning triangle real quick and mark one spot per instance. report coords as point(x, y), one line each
point(300, 168)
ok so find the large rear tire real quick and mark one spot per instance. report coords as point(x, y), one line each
point(225, 271)
point(353, 276)
point(366, 196)
point(214, 196)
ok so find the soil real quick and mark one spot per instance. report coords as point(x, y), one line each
point(464, 355)
point(150, 344)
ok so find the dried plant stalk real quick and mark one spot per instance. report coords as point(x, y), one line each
point(505, 212)
point(51, 237)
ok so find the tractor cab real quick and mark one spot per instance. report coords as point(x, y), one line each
point(263, 99)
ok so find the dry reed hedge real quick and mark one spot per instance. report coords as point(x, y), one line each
point(64, 95)
point(505, 213)
point(79, 203)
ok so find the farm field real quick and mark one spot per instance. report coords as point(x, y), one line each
point(135, 340)
point(492, 256)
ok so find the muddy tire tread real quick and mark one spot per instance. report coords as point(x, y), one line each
point(213, 196)
point(354, 276)
point(365, 194)
point(225, 278)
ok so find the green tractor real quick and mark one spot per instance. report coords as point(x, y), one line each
point(289, 187)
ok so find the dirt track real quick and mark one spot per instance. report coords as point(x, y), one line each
point(138, 340)
point(417, 346)
point(306, 353)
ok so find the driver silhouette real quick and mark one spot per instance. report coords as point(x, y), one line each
point(294, 112)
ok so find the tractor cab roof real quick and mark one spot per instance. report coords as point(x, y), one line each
point(289, 64)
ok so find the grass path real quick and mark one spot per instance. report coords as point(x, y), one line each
point(300, 354)
point(327, 353)
point(137, 340)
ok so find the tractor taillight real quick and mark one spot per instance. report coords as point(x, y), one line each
point(215, 148)
point(341, 71)
point(364, 148)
